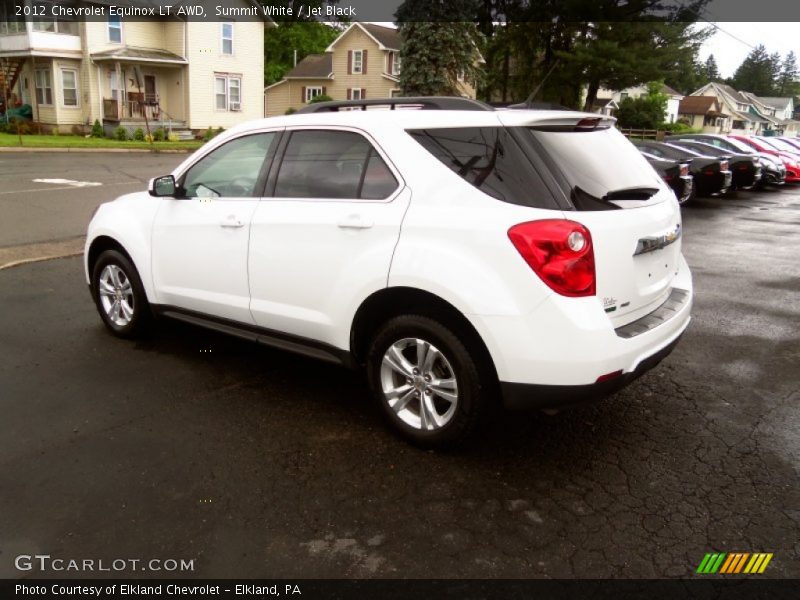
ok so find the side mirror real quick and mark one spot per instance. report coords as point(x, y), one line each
point(162, 186)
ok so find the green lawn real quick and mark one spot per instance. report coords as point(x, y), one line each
point(9, 140)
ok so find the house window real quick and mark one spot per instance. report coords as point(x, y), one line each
point(227, 38)
point(357, 94)
point(49, 26)
point(622, 96)
point(228, 92)
point(69, 87)
point(358, 61)
point(115, 30)
point(10, 27)
point(44, 91)
point(311, 92)
point(394, 63)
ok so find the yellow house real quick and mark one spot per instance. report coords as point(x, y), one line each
point(179, 74)
point(362, 63)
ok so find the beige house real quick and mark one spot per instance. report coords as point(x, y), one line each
point(179, 74)
point(362, 63)
point(703, 113)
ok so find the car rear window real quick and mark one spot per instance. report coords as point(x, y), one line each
point(491, 160)
point(596, 162)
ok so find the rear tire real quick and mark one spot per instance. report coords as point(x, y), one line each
point(434, 392)
point(119, 295)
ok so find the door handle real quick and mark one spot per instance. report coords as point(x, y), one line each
point(355, 222)
point(232, 222)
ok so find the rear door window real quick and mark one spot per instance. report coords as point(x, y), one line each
point(333, 164)
point(489, 159)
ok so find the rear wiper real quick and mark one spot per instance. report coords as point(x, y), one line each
point(633, 193)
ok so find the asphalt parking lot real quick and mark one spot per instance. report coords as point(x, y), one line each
point(259, 463)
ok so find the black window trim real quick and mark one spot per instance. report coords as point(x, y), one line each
point(272, 178)
point(545, 169)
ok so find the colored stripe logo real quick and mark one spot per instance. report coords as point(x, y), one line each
point(734, 562)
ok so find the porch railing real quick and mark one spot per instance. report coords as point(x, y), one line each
point(138, 106)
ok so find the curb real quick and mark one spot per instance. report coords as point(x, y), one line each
point(13, 256)
point(92, 150)
point(27, 261)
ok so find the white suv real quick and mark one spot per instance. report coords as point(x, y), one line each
point(467, 258)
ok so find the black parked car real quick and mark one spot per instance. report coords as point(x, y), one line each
point(676, 174)
point(773, 171)
point(711, 174)
point(745, 168)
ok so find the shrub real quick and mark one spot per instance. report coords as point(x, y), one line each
point(149, 139)
point(54, 131)
point(208, 135)
point(219, 130)
point(3, 127)
point(121, 134)
point(158, 135)
point(173, 137)
point(97, 129)
point(290, 111)
point(320, 98)
point(677, 127)
point(138, 135)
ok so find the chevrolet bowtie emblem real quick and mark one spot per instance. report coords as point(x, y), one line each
point(650, 244)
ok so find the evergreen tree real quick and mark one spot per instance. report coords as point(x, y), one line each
point(440, 46)
point(756, 73)
point(788, 84)
point(710, 69)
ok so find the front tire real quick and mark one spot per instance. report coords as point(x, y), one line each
point(119, 295)
point(433, 391)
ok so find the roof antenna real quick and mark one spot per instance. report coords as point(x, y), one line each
point(529, 100)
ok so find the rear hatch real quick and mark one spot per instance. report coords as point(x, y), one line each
point(632, 216)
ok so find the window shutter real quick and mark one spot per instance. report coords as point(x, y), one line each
point(349, 62)
point(364, 62)
point(363, 94)
point(349, 94)
point(303, 94)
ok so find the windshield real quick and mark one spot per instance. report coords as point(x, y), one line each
point(739, 145)
point(781, 145)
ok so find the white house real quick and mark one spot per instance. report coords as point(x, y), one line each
point(673, 98)
point(178, 73)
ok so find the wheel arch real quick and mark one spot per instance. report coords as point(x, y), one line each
point(390, 302)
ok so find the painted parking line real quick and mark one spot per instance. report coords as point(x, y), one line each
point(66, 187)
point(68, 182)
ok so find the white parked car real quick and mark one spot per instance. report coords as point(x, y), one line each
point(467, 258)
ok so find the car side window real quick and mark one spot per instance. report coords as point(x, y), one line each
point(231, 171)
point(333, 164)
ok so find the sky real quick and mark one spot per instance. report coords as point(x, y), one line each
point(732, 42)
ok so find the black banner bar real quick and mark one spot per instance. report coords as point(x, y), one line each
point(732, 588)
point(407, 10)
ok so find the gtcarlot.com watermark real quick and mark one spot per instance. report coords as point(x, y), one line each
point(45, 563)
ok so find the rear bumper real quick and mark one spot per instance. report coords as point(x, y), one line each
point(565, 350)
point(524, 396)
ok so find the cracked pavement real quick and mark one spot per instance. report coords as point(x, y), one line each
point(260, 463)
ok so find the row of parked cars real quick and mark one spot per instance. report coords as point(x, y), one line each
point(709, 164)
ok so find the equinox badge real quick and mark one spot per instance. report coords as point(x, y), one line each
point(651, 244)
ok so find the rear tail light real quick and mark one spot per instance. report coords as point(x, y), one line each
point(587, 124)
point(560, 252)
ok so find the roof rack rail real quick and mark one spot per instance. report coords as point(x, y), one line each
point(422, 102)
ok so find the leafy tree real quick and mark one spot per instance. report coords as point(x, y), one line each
point(97, 129)
point(644, 112)
point(280, 43)
point(756, 74)
point(440, 44)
